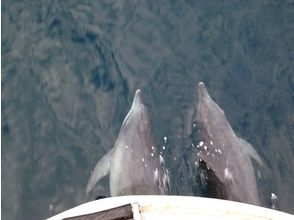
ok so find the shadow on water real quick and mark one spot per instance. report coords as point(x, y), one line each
point(70, 70)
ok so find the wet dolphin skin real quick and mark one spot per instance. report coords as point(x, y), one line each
point(133, 163)
point(225, 157)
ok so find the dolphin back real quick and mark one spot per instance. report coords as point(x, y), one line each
point(224, 156)
point(136, 167)
point(133, 163)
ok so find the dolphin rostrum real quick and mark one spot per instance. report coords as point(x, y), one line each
point(133, 164)
point(225, 156)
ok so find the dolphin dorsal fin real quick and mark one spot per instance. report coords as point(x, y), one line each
point(250, 150)
point(101, 169)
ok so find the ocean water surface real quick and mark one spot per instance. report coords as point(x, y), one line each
point(70, 70)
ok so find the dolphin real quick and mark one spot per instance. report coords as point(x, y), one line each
point(225, 157)
point(133, 163)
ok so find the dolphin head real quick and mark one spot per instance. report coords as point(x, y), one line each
point(202, 91)
point(137, 99)
point(138, 108)
point(208, 112)
point(138, 112)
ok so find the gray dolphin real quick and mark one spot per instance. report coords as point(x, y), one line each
point(134, 166)
point(225, 156)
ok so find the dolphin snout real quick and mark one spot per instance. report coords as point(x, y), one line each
point(202, 92)
point(138, 92)
point(137, 99)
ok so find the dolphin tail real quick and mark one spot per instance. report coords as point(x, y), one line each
point(101, 169)
point(250, 150)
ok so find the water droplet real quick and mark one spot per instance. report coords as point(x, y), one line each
point(165, 139)
point(273, 196)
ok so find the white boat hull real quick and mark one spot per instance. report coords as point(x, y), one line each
point(175, 207)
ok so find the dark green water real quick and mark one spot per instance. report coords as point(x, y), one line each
point(70, 70)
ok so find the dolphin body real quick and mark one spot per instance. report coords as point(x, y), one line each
point(134, 166)
point(225, 157)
